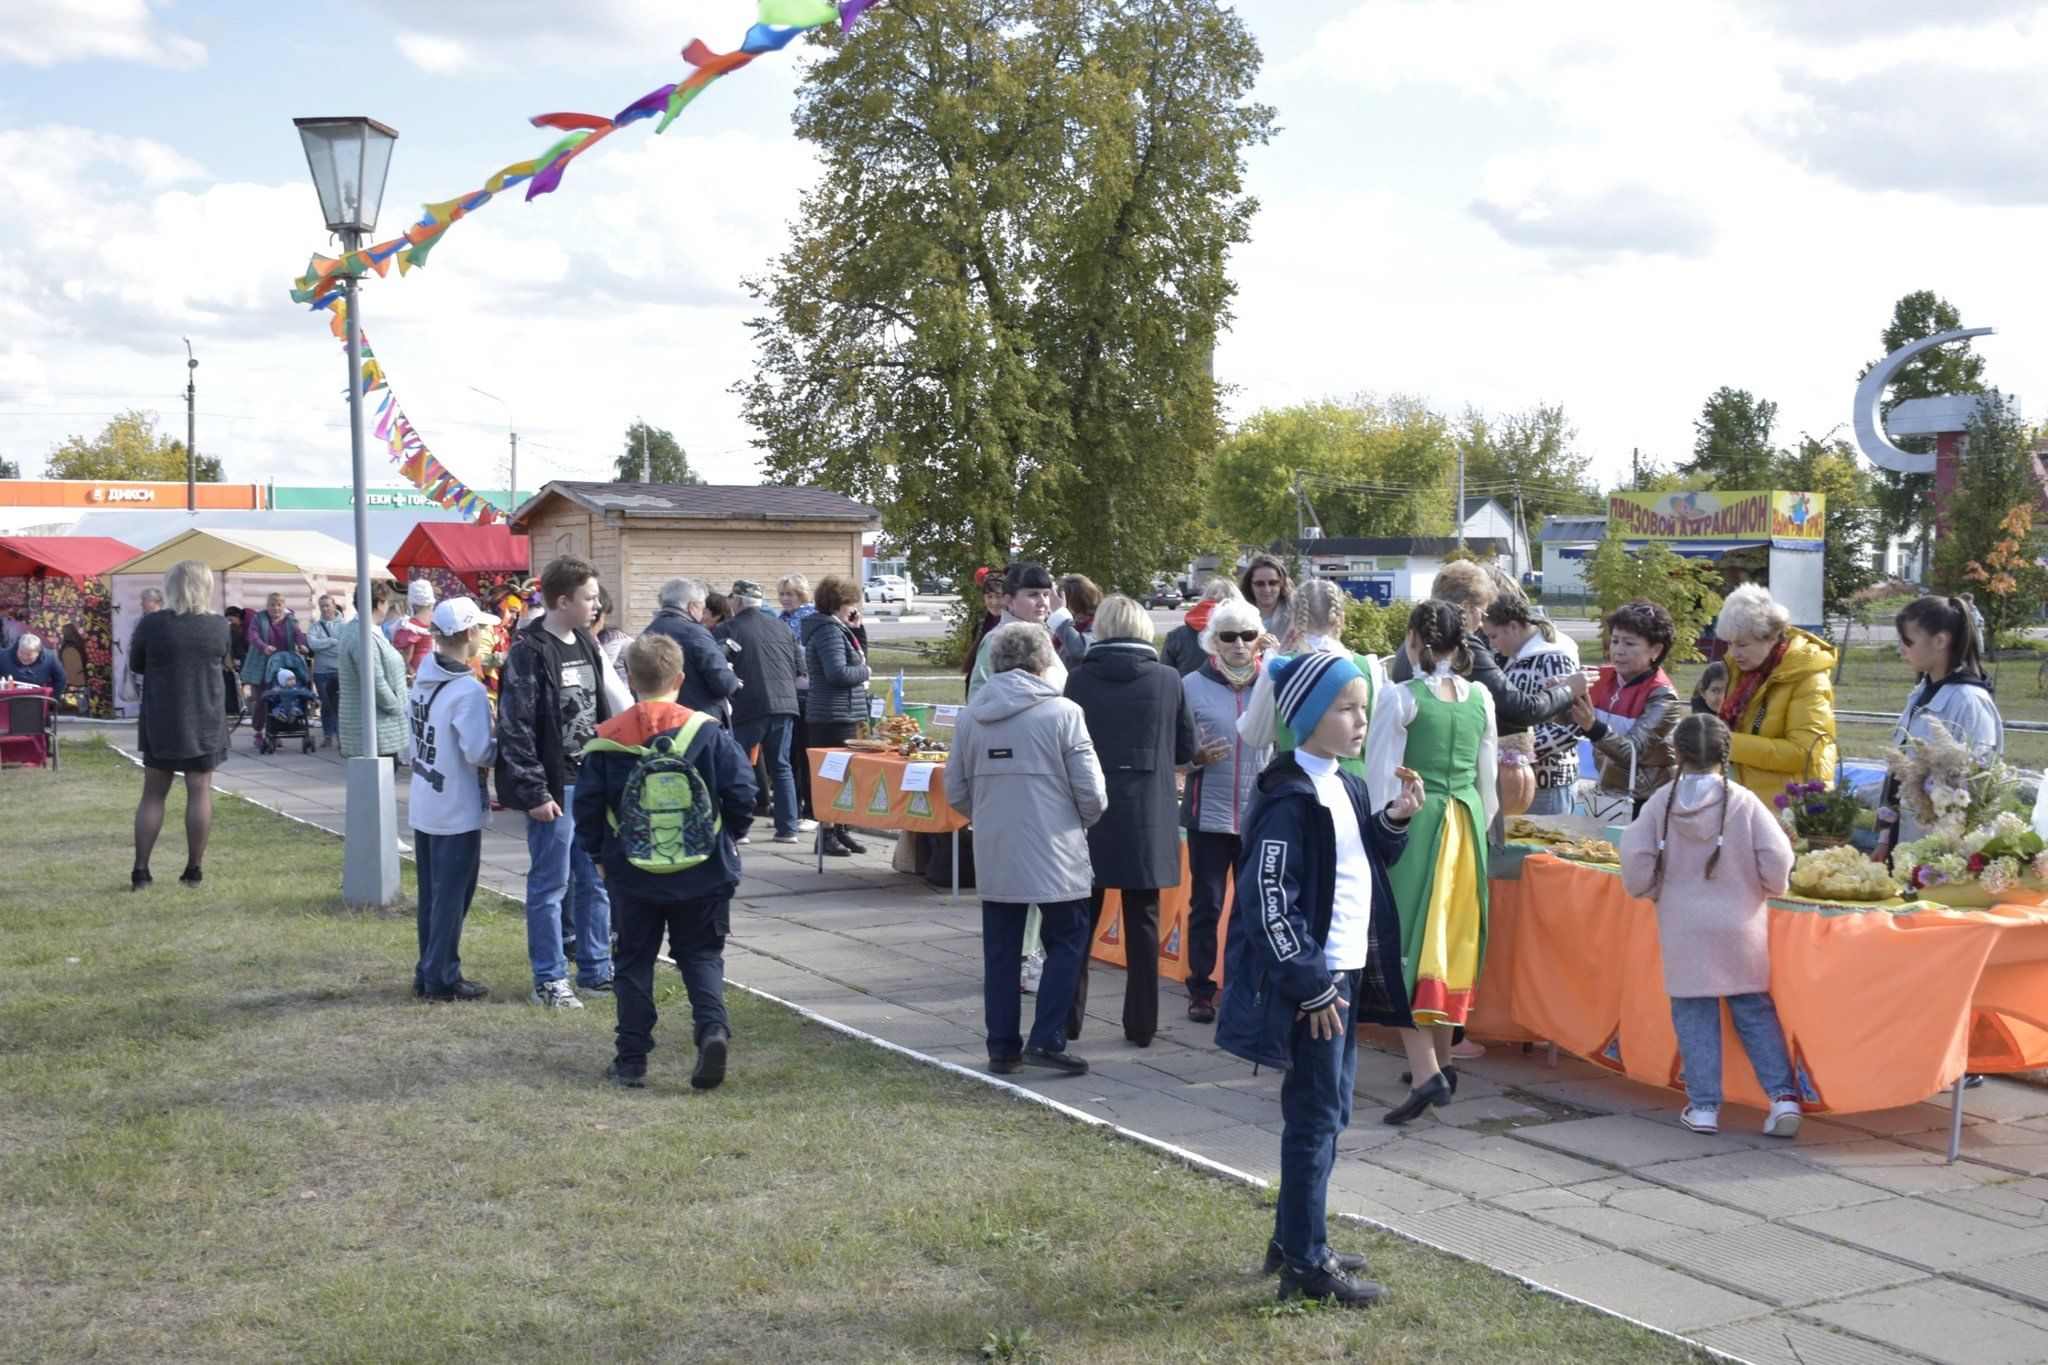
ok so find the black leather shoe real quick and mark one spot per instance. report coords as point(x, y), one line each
point(1330, 1283)
point(1061, 1063)
point(710, 1061)
point(847, 841)
point(1449, 1073)
point(464, 989)
point(191, 876)
point(632, 1077)
point(831, 848)
point(1436, 1091)
point(1350, 1262)
point(1004, 1066)
point(139, 878)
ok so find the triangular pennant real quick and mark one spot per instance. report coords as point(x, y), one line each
point(921, 805)
point(878, 804)
point(844, 801)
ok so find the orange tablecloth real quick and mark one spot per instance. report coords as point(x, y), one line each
point(871, 796)
point(1108, 943)
point(1881, 1008)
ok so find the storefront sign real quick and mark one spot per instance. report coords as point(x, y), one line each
point(339, 498)
point(126, 493)
point(1703, 515)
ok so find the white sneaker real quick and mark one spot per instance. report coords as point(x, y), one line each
point(806, 826)
point(556, 995)
point(1784, 1119)
point(744, 839)
point(1034, 968)
point(404, 847)
point(1702, 1120)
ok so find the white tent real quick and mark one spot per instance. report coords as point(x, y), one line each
point(248, 566)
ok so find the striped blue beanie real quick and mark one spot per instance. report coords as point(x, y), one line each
point(1306, 684)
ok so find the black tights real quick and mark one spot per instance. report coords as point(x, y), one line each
point(149, 815)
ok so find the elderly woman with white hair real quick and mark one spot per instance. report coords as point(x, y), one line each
point(1780, 703)
point(31, 665)
point(1184, 648)
point(1319, 618)
point(1220, 783)
point(1139, 720)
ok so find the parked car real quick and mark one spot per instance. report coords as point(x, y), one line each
point(1163, 595)
point(887, 587)
point(934, 585)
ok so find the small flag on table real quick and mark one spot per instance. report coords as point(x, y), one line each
point(896, 695)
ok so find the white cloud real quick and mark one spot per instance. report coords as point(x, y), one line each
point(437, 56)
point(485, 35)
point(48, 32)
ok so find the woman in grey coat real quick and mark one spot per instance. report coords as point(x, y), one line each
point(1023, 769)
point(1142, 730)
point(181, 653)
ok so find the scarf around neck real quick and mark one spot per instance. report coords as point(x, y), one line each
point(1731, 709)
point(1238, 678)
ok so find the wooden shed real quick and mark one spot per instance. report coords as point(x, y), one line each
point(639, 535)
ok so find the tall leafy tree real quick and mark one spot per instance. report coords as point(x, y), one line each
point(10, 469)
point(128, 447)
point(1531, 452)
point(1369, 467)
point(1996, 473)
point(1906, 501)
point(1731, 446)
point(656, 448)
point(997, 315)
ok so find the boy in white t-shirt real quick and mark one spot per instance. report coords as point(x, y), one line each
point(450, 805)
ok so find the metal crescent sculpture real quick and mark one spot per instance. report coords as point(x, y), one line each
point(1870, 433)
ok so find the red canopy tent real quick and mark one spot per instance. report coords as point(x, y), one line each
point(57, 587)
point(460, 558)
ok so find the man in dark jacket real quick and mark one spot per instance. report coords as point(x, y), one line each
point(550, 703)
point(767, 662)
point(708, 680)
point(691, 905)
point(1314, 950)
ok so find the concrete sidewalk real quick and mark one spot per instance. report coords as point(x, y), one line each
point(1852, 1243)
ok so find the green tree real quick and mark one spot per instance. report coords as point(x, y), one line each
point(1368, 467)
point(2011, 580)
point(1731, 447)
point(1530, 453)
point(1853, 524)
point(1995, 473)
point(996, 318)
point(128, 447)
point(10, 469)
point(1690, 589)
point(650, 447)
point(1906, 501)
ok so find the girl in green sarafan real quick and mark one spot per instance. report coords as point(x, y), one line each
point(1441, 727)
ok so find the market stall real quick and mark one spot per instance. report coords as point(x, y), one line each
point(884, 791)
point(460, 558)
point(248, 566)
point(57, 586)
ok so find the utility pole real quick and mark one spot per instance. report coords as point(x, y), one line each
point(512, 427)
point(1635, 466)
point(646, 460)
point(515, 472)
point(1461, 497)
point(1516, 531)
point(191, 428)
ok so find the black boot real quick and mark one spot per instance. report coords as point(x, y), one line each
point(829, 846)
point(847, 841)
point(710, 1069)
point(1330, 1283)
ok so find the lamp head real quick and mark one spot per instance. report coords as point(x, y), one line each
point(349, 158)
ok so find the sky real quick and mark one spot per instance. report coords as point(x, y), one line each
point(1607, 205)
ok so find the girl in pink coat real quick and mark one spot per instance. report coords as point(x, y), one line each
point(1709, 853)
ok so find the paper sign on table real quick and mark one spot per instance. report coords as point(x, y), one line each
point(876, 710)
point(917, 777)
point(946, 715)
point(833, 769)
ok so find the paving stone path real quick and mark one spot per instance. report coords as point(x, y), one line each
point(1853, 1243)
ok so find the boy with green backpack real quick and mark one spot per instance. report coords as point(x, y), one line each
point(663, 794)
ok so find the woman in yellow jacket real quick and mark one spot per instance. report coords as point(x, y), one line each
point(1780, 702)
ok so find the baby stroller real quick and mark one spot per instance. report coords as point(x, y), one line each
point(286, 710)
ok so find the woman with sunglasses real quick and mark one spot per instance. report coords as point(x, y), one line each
point(1220, 783)
point(1318, 614)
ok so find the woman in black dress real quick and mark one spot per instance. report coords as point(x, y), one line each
point(181, 653)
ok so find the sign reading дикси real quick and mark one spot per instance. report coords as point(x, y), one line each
point(1775, 515)
point(340, 498)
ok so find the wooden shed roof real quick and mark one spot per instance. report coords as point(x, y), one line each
point(702, 502)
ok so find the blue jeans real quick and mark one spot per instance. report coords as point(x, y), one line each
point(1064, 930)
point(696, 940)
point(328, 685)
point(772, 733)
point(553, 864)
point(1315, 1107)
point(1697, 1020)
point(448, 865)
point(1551, 801)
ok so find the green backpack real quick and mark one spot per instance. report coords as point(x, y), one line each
point(666, 820)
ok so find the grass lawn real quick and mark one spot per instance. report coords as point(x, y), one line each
point(231, 1133)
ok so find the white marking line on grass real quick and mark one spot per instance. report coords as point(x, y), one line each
point(1179, 1153)
point(1203, 1163)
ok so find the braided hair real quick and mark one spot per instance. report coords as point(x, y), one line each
point(1702, 742)
point(1440, 627)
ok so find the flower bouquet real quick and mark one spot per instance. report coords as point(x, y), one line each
point(1979, 848)
point(1817, 815)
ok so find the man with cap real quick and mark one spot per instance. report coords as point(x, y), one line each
point(765, 658)
point(1314, 950)
point(413, 637)
point(449, 713)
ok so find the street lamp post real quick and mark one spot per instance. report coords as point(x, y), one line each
point(191, 428)
point(349, 158)
point(512, 428)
